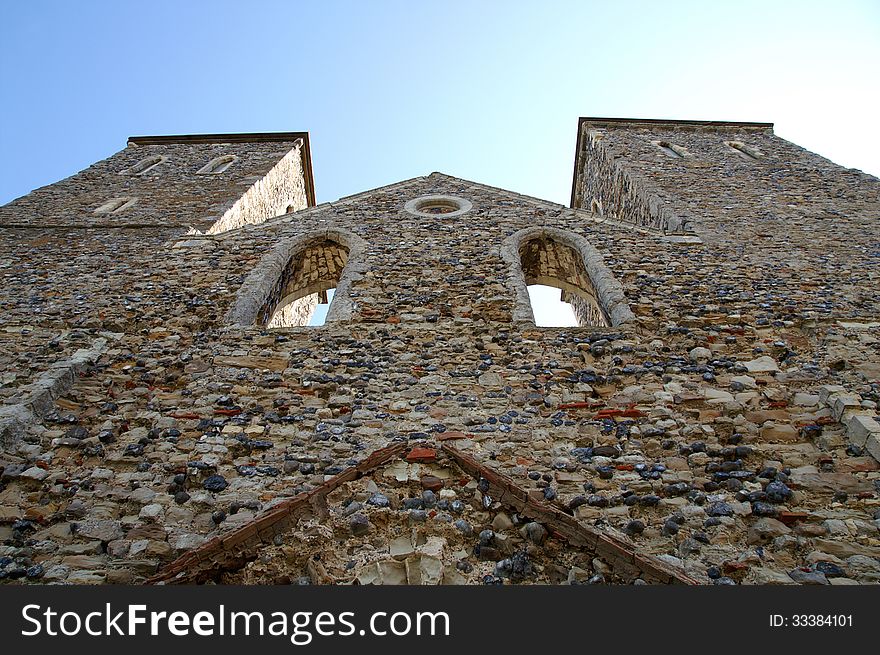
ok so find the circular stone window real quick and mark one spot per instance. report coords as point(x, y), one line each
point(431, 206)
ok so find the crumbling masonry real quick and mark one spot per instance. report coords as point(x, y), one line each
point(168, 416)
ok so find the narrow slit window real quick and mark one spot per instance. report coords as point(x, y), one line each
point(671, 150)
point(217, 165)
point(744, 151)
point(144, 165)
point(115, 206)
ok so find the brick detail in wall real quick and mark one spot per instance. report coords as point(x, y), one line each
point(231, 551)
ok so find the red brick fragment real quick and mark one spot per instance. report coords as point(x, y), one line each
point(445, 436)
point(422, 455)
point(790, 518)
point(730, 567)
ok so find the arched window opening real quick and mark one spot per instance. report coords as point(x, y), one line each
point(116, 205)
point(551, 307)
point(290, 279)
point(217, 165)
point(549, 263)
point(145, 165)
point(304, 292)
point(319, 316)
point(744, 151)
point(671, 150)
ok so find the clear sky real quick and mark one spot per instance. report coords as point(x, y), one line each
point(489, 91)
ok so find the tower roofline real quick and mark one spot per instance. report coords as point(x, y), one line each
point(241, 137)
point(671, 121)
point(649, 122)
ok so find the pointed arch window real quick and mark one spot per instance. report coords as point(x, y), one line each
point(217, 165)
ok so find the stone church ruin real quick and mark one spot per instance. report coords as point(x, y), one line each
point(168, 415)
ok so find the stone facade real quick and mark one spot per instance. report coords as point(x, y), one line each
point(711, 421)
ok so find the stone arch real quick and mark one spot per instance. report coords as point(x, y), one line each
point(546, 255)
point(297, 268)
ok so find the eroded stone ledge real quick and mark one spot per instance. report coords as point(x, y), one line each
point(39, 400)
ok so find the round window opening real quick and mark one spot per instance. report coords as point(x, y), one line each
point(438, 206)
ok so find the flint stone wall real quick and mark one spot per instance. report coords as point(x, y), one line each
point(744, 364)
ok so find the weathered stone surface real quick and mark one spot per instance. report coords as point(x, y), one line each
point(762, 575)
point(811, 479)
point(859, 428)
point(776, 433)
point(766, 529)
point(271, 363)
point(102, 530)
point(844, 549)
point(763, 364)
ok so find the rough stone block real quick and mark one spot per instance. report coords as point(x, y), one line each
point(763, 364)
point(872, 445)
point(773, 432)
point(13, 424)
point(829, 390)
point(859, 428)
point(843, 402)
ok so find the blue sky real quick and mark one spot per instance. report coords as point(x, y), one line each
point(489, 91)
